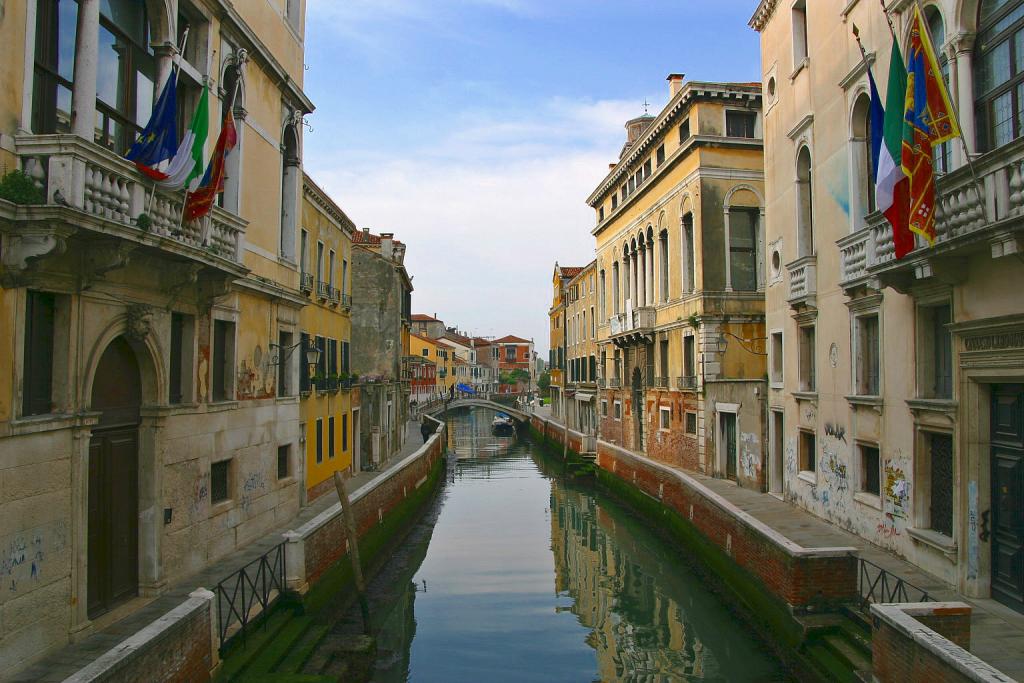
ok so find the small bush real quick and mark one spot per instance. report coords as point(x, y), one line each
point(18, 188)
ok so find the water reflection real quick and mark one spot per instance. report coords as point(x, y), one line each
point(520, 575)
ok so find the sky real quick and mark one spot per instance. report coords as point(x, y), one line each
point(475, 129)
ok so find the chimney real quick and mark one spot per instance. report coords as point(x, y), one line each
point(387, 244)
point(399, 254)
point(612, 165)
point(675, 84)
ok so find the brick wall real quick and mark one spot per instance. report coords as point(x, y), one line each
point(926, 642)
point(176, 648)
point(324, 538)
point(673, 446)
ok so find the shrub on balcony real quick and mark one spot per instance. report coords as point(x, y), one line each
point(17, 187)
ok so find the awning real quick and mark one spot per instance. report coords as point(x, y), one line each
point(580, 396)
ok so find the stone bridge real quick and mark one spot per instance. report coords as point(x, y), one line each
point(517, 415)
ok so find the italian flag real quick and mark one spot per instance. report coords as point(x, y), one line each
point(892, 186)
point(186, 168)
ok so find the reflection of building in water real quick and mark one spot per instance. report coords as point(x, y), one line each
point(471, 437)
point(638, 632)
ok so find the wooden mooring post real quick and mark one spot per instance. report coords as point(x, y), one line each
point(351, 535)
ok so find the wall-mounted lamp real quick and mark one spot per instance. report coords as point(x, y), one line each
point(723, 343)
point(312, 358)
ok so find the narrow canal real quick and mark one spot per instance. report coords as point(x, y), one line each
point(517, 573)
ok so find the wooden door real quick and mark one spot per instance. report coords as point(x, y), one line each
point(729, 443)
point(113, 524)
point(1007, 474)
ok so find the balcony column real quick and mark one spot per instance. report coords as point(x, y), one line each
point(962, 47)
point(83, 94)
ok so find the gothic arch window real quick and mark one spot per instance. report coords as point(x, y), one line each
point(290, 179)
point(863, 191)
point(663, 265)
point(804, 203)
point(233, 96)
point(689, 262)
point(936, 27)
point(999, 72)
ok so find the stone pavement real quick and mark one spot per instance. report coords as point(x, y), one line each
point(62, 663)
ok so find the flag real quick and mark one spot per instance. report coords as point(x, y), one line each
point(201, 201)
point(187, 164)
point(158, 141)
point(892, 187)
point(929, 121)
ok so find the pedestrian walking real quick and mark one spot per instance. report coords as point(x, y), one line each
point(426, 429)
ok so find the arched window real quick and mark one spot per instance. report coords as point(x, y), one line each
point(663, 264)
point(804, 201)
point(615, 287)
point(999, 72)
point(233, 95)
point(649, 295)
point(942, 153)
point(689, 263)
point(290, 178)
point(863, 190)
point(602, 301)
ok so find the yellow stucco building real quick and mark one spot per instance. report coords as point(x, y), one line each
point(329, 405)
point(556, 334)
point(681, 279)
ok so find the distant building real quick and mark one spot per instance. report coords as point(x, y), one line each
point(381, 302)
point(581, 350)
point(515, 354)
point(427, 325)
point(556, 334)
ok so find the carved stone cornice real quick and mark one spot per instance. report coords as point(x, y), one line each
point(26, 243)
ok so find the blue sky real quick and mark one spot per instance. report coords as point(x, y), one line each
point(475, 129)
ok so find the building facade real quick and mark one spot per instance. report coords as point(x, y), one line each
point(329, 406)
point(895, 385)
point(381, 312)
point(581, 350)
point(514, 357)
point(556, 336)
point(146, 423)
point(681, 283)
point(426, 363)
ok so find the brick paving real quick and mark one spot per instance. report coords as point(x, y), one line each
point(61, 663)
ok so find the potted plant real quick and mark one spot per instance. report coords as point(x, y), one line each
point(17, 187)
point(332, 382)
point(346, 380)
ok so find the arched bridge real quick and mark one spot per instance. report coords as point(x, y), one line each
point(517, 415)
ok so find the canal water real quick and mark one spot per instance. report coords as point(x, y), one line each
point(517, 573)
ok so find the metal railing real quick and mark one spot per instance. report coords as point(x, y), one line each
point(258, 584)
point(323, 289)
point(687, 382)
point(661, 382)
point(306, 282)
point(877, 585)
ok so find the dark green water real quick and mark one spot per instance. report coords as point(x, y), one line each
point(517, 574)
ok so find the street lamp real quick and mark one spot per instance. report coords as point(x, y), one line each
point(312, 359)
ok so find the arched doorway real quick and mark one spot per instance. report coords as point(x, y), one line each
point(114, 480)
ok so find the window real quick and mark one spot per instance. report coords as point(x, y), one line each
point(807, 358)
point(808, 454)
point(292, 12)
point(775, 349)
point(223, 360)
point(37, 368)
point(330, 437)
point(935, 352)
point(600, 214)
point(684, 131)
point(870, 469)
point(424, 352)
point(660, 154)
point(689, 360)
point(647, 169)
point(593, 324)
point(799, 33)
point(999, 72)
point(691, 423)
point(330, 268)
point(664, 417)
point(321, 366)
point(344, 433)
point(604, 408)
point(863, 199)
point(284, 461)
point(344, 276)
point(941, 154)
point(867, 361)
point(805, 213)
point(689, 264)
point(56, 26)
point(304, 252)
point(743, 249)
point(663, 265)
point(219, 480)
point(285, 352)
point(663, 357)
point(740, 124)
point(319, 440)
point(319, 262)
point(939, 477)
point(615, 287)
point(618, 410)
point(233, 99)
point(290, 178)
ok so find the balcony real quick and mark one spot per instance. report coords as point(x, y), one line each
point(803, 282)
point(306, 282)
point(90, 191)
point(631, 328)
point(687, 382)
point(615, 383)
point(323, 290)
point(964, 225)
point(661, 382)
point(346, 301)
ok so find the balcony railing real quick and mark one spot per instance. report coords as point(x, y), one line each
point(306, 282)
point(323, 289)
point(639, 322)
point(803, 281)
point(334, 294)
point(346, 301)
point(661, 382)
point(82, 175)
point(615, 383)
point(687, 382)
point(963, 222)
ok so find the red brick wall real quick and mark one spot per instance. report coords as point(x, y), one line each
point(673, 447)
point(180, 654)
point(798, 579)
point(326, 545)
point(897, 657)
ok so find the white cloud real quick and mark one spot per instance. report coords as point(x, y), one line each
point(487, 210)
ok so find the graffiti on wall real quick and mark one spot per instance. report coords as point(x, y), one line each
point(972, 529)
point(23, 555)
point(895, 496)
point(837, 432)
point(253, 486)
point(750, 455)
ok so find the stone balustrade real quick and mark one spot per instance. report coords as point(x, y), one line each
point(82, 175)
point(803, 280)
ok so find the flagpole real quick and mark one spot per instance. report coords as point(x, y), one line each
point(175, 67)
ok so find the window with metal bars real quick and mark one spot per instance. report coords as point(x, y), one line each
point(940, 460)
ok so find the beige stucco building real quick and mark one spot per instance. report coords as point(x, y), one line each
point(680, 282)
point(895, 385)
point(146, 426)
point(581, 352)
